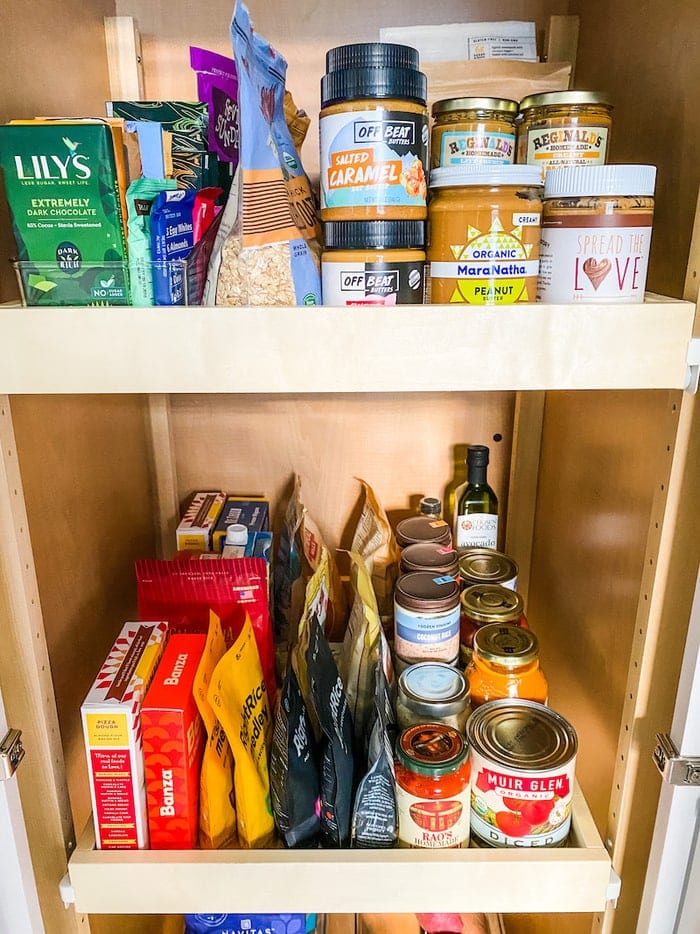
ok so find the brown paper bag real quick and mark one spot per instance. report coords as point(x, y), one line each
point(494, 78)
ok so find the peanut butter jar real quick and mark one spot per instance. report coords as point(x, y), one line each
point(596, 233)
point(374, 134)
point(564, 128)
point(473, 130)
point(484, 234)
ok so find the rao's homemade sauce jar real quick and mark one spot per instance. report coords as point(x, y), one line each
point(473, 130)
point(432, 787)
point(523, 757)
point(564, 128)
point(374, 133)
point(596, 234)
point(484, 234)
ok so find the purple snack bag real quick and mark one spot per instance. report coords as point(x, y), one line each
point(217, 86)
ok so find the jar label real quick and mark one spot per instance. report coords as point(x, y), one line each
point(434, 637)
point(519, 809)
point(476, 147)
point(549, 147)
point(477, 530)
point(373, 157)
point(495, 267)
point(594, 258)
point(373, 283)
point(433, 823)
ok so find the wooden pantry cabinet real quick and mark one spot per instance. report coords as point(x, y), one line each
point(109, 418)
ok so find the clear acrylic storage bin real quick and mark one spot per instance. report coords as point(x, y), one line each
point(107, 283)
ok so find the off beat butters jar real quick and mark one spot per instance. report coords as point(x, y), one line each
point(484, 234)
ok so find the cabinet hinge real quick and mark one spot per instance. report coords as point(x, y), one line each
point(693, 371)
point(11, 754)
point(675, 768)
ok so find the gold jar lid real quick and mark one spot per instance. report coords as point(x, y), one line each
point(449, 105)
point(492, 603)
point(508, 646)
point(485, 565)
point(564, 98)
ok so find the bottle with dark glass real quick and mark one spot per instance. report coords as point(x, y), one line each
point(476, 519)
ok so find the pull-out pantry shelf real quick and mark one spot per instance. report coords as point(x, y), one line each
point(574, 878)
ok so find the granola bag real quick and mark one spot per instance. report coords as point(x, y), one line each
point(271, 254)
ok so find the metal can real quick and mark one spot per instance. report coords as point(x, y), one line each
point(432, 787)
point(505, 662)
point(487, 566)
point(488, 603)
point(523, 757)
point(432, 692)
point(430, 556)
point(426, 617)
point(564, 128)
point(473, 130)
point(422, 529)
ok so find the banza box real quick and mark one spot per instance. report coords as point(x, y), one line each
point(173, 740)
point(112, 729)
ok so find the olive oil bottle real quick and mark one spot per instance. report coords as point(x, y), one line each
point(476, 520)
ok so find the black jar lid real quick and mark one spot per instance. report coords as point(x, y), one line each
point(371, 55)
point(374, 235)
point(381, 83)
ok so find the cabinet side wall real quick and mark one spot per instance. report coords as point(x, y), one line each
point(53, 63)
point(646, 57)
point(86, 480)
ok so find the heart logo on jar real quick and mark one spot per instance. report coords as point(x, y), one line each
point(596, 271)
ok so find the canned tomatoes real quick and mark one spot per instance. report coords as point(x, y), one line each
point(432, 787)
point(522, 756)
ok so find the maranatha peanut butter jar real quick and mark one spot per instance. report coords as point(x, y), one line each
point(596, 233)
point(484, 234)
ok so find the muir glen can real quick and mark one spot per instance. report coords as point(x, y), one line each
point(522, 757)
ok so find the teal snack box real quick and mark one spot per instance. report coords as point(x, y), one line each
point(253, 512)
point(61, 185)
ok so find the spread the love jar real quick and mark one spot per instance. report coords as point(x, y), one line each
point(596, 233)
point(523, 757)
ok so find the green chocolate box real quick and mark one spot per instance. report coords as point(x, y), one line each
point(61, 186)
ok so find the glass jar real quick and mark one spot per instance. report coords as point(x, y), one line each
point(432, 692)
point(415, 529)
point(484, 234)
point(430, 556)
point(473, 130)
point(426, 617)
point(432, 787)
point(488, 603)
point(505, 663)
point(564, 128)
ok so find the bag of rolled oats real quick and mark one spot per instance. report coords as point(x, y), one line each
point(271, 253)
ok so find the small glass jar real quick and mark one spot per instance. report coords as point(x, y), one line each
point(430, 556)
point(432, 692)
point(422, 529)
point(473, 130)
point(505, 664)
point(482, 604)
point(426, 617)
point(560, 128)
point(432, 787)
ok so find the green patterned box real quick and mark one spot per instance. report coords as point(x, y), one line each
point(61, 185)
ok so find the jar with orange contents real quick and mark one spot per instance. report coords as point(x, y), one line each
point(505, 663)
point(432, 787)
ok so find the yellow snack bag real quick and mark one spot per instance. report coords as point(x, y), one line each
point(238, 696)
point(217, 813)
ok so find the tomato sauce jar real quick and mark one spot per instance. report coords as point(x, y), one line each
point(432, 787)
point(523, 757)
point(482, 604)
point(505, 663)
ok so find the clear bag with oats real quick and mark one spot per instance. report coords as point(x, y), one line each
point(269, 247)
